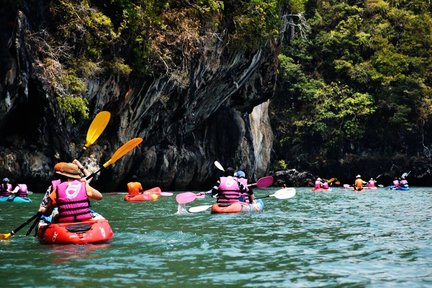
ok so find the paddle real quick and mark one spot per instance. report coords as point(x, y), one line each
point(219, 166)
point(186, 197)
point(119, 153)
point(7, 236)
point(284, 193)
point(95, 130)
point(263, 182)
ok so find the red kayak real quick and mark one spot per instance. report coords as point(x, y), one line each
point(148, 195)
point(238, 207)
point(92, 231)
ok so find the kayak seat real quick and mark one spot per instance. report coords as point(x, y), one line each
point(81, 227)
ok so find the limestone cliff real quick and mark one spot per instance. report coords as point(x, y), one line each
point(210, 105)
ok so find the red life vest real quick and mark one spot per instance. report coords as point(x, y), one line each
point(72, 202)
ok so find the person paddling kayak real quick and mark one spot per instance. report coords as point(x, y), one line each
point(69, 194)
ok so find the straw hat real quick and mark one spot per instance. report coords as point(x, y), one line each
point(67, 169)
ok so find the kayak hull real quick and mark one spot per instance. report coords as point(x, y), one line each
point(92, 231)
point(238, 207)
point(152, 194)
point(15, 199)
point(401, 188)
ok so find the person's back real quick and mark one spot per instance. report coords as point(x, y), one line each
point(70, 194)
point(318, 183)
point(358, 184)
point(371, 183)
point(396, 182)
point(5, 188)
point(134, 187)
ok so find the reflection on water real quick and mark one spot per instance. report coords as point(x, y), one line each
point(379, 238)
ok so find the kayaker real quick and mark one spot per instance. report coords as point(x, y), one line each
point(395, 182)
point(318, 184)
point(358, 184)
point(371, 183)
point(403, 182)
point(21, 190)
point(246, 196)
point(69, 193)
point(134, 187)
point(5, 188)
point(228, 189)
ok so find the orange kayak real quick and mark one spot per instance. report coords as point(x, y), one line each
point(92, 231)
point(148, 195)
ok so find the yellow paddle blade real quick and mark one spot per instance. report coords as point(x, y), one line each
point(97, 127)
point(331, 180)
point(6, 236)
point(125, 148)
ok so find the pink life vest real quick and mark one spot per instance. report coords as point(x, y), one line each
point(371, 184)
point(244, 195)
point(325, 185)
point(229, 190)
point(396, 183)
point(23, 191)
point(317, 184)
point(403, 182)
point(5, 190)
point(72, 201)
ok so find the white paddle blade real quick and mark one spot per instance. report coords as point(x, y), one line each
point(219, 166)
point(201, 208)
point(284, 193)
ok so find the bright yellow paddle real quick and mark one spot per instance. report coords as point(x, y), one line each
point(95, 130)
point(119, 153)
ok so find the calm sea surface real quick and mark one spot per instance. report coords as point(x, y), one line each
point(379, 238)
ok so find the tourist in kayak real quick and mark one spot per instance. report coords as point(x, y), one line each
point(21, 190)
point(246, 196)
point(134, 187)
point(69, 193)
point(5, 188)
point(396, 183)
point(228, 189)
point(358, 184)
point(318, 184)
point(403, 182)
point(371, 184)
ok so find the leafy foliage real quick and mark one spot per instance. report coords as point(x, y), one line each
point(360, 81)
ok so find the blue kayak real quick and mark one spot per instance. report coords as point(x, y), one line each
point(402, 188)
point(15, 199)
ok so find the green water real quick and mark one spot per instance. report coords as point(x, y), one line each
point(379, 238)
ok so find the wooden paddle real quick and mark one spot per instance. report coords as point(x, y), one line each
point(95, 130)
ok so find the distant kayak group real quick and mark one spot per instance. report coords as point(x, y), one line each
point(19, 194)
point(360, 185)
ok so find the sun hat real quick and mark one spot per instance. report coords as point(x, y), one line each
point(67, 169)
point(6, 179)
point(358, 176)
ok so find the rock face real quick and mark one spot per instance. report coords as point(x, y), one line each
point(216, 110)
